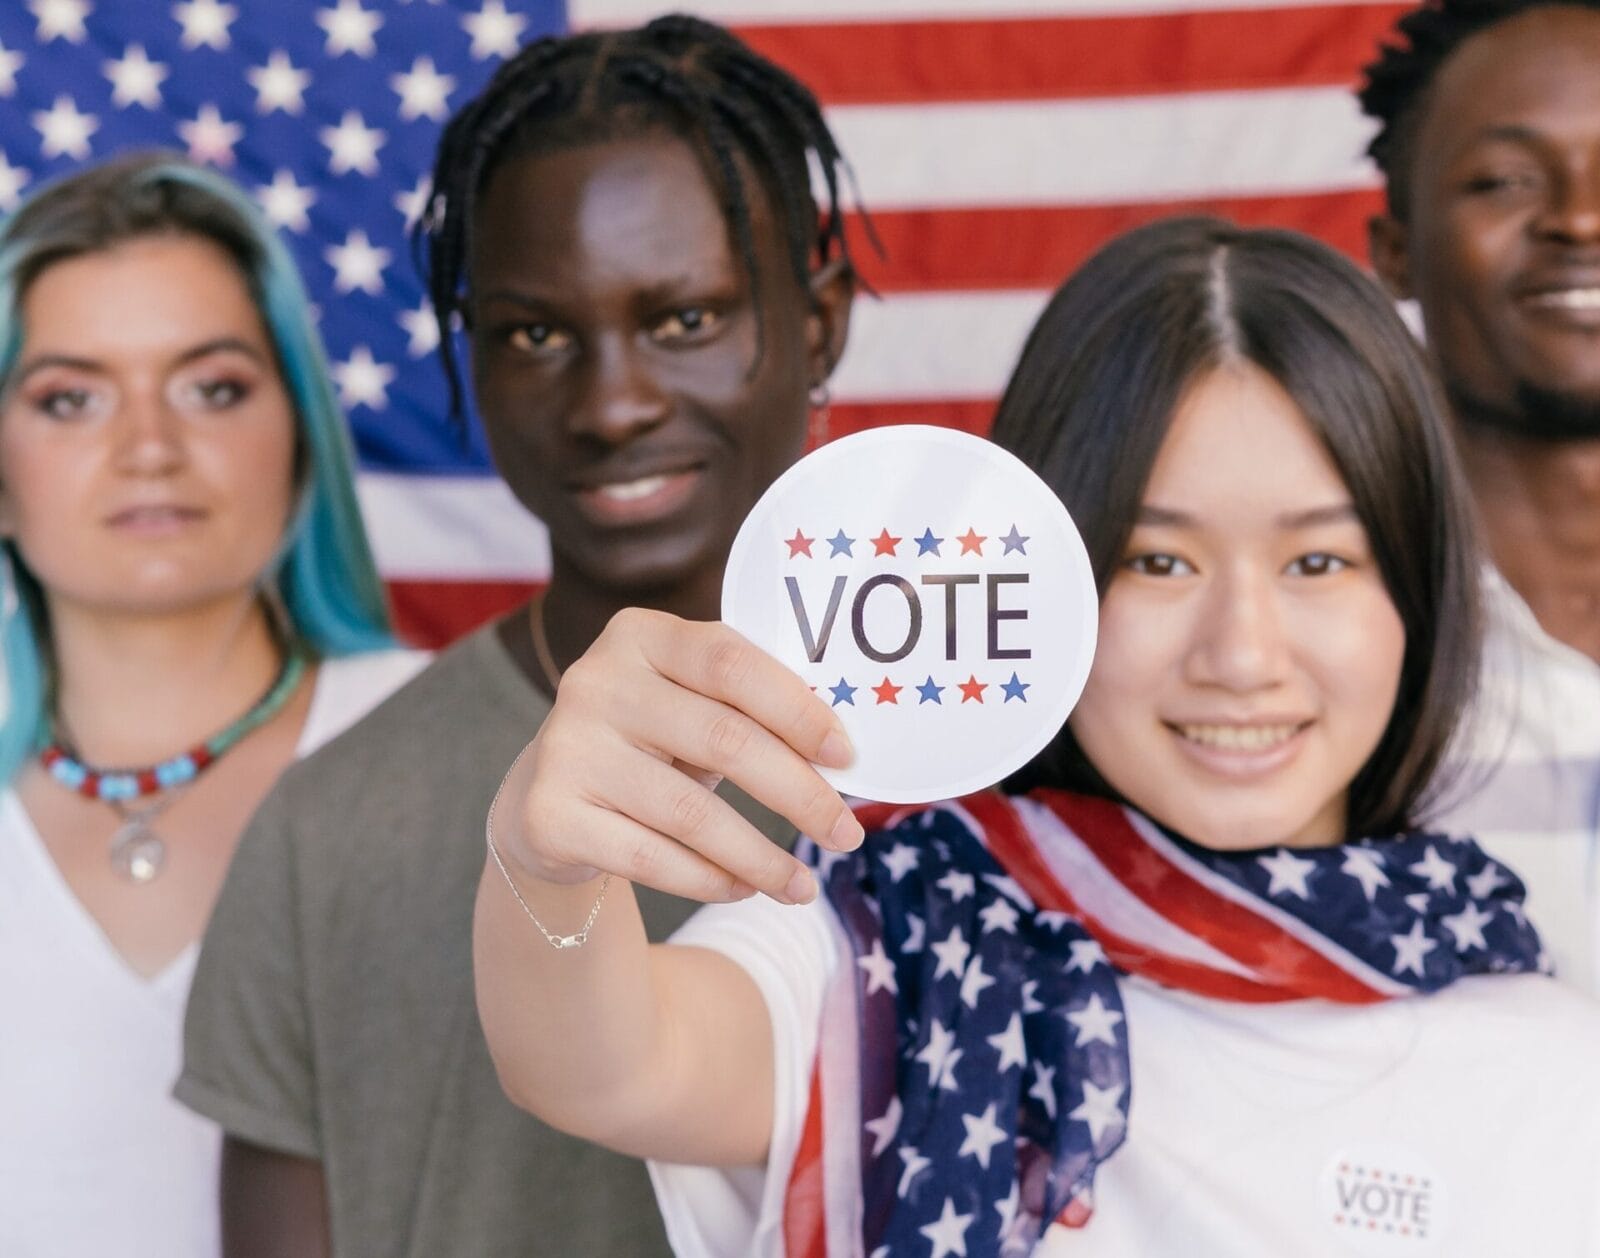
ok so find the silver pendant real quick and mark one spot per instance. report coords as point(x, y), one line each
point(137, 852)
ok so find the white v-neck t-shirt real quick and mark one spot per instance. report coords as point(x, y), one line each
point(96, 1158)
point(1460, 1125)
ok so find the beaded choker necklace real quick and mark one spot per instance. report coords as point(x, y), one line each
point(137, 852)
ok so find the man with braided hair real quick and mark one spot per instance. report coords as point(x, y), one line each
point(1489, 142)
point(624, 224)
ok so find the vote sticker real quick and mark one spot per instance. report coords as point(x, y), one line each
point(934, 591)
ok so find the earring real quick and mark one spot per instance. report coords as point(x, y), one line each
point(821, 405)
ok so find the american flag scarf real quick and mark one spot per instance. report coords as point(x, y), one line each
point(972, 1071)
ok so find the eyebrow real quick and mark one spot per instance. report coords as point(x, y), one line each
point(218, 345)
point(1311, 517)
point(1508, 132)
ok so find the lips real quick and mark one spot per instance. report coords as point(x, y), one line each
point(637, 497)
point(154, 519)
point(1240, 750)
point(1570, 299)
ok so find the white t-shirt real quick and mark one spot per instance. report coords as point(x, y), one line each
point(1464, 1124)
point(96, 1158)
point(1531, 794)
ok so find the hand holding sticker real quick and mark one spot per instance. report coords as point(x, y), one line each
point(934, 591)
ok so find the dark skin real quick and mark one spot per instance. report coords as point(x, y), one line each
point(1500, 247)
point(614, 364)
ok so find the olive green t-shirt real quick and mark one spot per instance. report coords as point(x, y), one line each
point(332, 1013)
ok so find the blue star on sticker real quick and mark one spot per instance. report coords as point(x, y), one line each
point(841, 545)
point(930, 693)
point(1014, 688)
point(1014, 542)
point(927, 544)
point(844, 692)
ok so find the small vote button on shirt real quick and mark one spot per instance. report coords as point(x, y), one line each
point(934, 591)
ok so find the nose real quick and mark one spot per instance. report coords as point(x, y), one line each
point(1239, 641)
point(1572, 213)
point(622, 396)
point(149, 434)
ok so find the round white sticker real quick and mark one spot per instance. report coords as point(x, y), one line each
point(934, 591)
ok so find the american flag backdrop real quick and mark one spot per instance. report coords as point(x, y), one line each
point(996, 142)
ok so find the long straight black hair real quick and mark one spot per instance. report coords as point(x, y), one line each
point(1109, 362)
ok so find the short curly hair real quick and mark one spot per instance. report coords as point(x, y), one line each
point(1397, 81)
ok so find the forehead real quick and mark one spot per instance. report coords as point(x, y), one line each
point(1539, 71)
point(639, 204)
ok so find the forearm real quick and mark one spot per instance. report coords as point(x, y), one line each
point(274, 1205)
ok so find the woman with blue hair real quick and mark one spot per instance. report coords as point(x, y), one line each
point(187, 604)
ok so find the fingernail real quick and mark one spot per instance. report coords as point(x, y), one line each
point(846, 834)
point(802, 888)
point(836, 751)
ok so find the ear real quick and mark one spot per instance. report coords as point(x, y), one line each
point(833, 290)
point(1388, 247)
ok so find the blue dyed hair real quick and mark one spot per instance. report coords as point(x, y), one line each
point(322, 576)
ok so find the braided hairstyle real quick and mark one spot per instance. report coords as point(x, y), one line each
point(680, 73)
point(1397, 82)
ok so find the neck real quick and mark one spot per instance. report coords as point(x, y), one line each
point(576, 610)
point(186, 676)
point(1539, 502)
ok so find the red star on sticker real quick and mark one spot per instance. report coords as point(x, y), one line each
point(972, 688)
point(887, 691)
point(883, 544)
point(971, 544)
point(799, 544)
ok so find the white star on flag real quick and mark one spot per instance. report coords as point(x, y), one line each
point(1086, 954)
point(982, 1135)
point(948, 1233)
point(1030, 1002)
point(205, 23)
point(1099, 1109)
point(279, 85)
point(900, 860)
point(879, 970)
point(352, 145)
point(65, 131)
point(136, 80)
point(915, 1164)
point(12, 181)
point(1007, 1207)
point(424, 92)
point(940, 1056)
point(959, 884)
point(884, 1127)
point(363, 382)
point(914, 929)
point(1044, 1087)
point(1439, 872)
point(1095, 1023)
point(1467, 927)
point(1055, 919)
point(10, 63)
point(1289, 872)
point(1009, 1045)
point(1410, 950)
point(357, 264)
point(412, 205)
point(495, 33)
point(350, 28)
point(1366, 867)
point(60, 19)
point(210, 138)
point(999, 914)
point(286, 203)
point(973, 983)
point(1484, 883)
point(952, 954)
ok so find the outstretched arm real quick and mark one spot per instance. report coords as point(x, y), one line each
point(661, 1052)
point(274, 1205)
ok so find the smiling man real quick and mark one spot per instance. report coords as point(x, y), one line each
point(625, 222)
point(1489, 139)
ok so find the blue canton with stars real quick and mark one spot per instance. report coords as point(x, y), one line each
point(328, 111)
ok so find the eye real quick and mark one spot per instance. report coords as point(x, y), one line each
point(1502, 182)
point(1159, 564)
point(689, 322)
point(64, 403)
point(538, 338)
point(219, 394)
point(1319, 563)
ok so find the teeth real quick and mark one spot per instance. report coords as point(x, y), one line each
point(1239, 737)
point(1570, 299)
point(631, 491)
